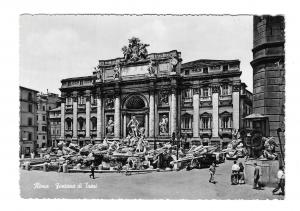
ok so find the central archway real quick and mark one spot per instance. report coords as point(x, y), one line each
point(135, 102)
point(135, 106)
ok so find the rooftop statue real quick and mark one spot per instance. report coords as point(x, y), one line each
point(135, 51)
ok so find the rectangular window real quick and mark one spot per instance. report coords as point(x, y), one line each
point(69, 101)
point(225, 89)
point(30, 121)
point(205, 70)
point(44, 128)
point(44, 118)
point(205, 92)
point(205, 123)
point(226, 122)
point(44, 108)
point(187, 72)
point(187, 94)
point(186, 122)
point(225, 67)
point(44, 137)
point(29, 136)
point(30, 108)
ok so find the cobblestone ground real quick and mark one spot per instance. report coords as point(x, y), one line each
point(159, 185)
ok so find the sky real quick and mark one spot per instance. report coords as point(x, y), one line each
point(54, 47)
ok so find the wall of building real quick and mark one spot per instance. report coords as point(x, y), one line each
point(269, 70)
point(27, 144)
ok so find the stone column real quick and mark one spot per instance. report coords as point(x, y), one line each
point(215, 111)
point(151, 114)
point(99, 115)
point(236, 106)
point(124, 125)
point(62, 120)
point(146, 125)
point(117, 120)
point(75, 115)
point(196, 113)
point(173, 111)
point(87, 113)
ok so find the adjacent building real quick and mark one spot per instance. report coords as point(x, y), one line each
point(269, 72)
point(202, 100)
point(28, 121)
point(45, 103)
point(55, 127)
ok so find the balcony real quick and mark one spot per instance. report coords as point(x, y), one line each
point(205, 132)
point(205, 98)
point(186, 130)
point(225, 100)
point(81, 132)
point(69, 132)
point(187, 102)
point(81, 108)
point(94, 132)
point(225, 97)
point(225, 132)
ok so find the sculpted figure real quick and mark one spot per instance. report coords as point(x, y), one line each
point(133, 125)
point(99, 73)
point(173, 63)
point(151, 69)
point(110, 126)
point(117, 71)
point(163, 125)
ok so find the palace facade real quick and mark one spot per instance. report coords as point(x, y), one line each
point(203, 100)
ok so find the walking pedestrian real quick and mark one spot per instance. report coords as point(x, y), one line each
point(92, 171)
point(241, 174)
point(212, 171)
point(257, 175)
point(281, 181)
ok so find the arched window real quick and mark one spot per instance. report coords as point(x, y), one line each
point(69, 124)
point(226, 120)
point(205, 121)
point(81, 122)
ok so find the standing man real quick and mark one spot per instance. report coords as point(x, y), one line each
point(281, 181)
point(257, 175)
point(92, 171)
point(234, 173)
point(212, 171)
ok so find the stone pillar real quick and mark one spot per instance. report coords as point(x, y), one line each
point(75, 115)
point(124, 125)
point(87, 114)
point(236, 106)
point(62, 120)
point(117, 120)
point(146, 125)
point(151, 115)
point(173, 111)
point(196, 113)
point(99, 116)
point(215, 111)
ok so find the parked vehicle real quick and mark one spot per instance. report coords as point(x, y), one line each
point(204, 160)
point(232, 155)
point(220, 157)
